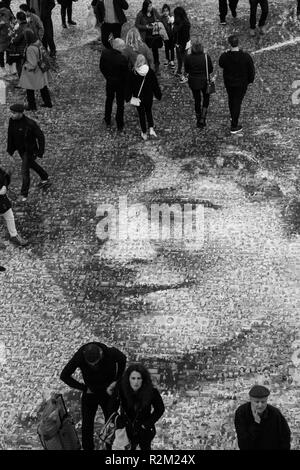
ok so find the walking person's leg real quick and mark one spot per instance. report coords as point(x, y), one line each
point(253, 11)
point(197, 104)
point(105, 32)
point(89, 405)
point(264, 14)
point(63, 13)
point(179, 60)
point(45, 94)
point(120, 98)
point(172, 50)
point(223, 10)
point(149, 116)
point(298, 7)
point(116, 30)
point(25, 175)
point(142, 117)
point(236, 96)
point(155, 58)
point(37, 168)
point(167, 51)
point(70, 12)
point(206, 98)
point(48, 39)
point(110, 95)
point(11, 227)
point(31, 99)
point(232, 6)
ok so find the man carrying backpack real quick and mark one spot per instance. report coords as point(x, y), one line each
point(101, 368)
point(25, 136)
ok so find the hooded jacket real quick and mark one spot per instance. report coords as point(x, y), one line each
point(110, 369)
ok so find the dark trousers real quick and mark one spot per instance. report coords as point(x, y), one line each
point(115, 89)
point(144, 438)
point(2, 63)
point(298, 7)
point(223, 8)
point(106, 29)
point(89, 406)
point(235, 99)
point(180, 54)
point(170, 50)
point(28, 162)
point(44, 94)
point(201, 99)
point(48, 39)
point(145, 112)
point(253, 10)
point(66, 10)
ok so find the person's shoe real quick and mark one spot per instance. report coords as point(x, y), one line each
point(52, 54)
point(233, 14)
point(107, 124)
point(252, 32)
point(27, 107)
point(172, 65)
point(2, 269)
point(22, 198)
point(223, 23)
point(262, 30)
point(235, 130)
point(120, 130)
point(72, 22)
point(48, 105)
point(144, 136)
point(183, 79)
point(152, 132)
point(64, 25)
point(44, 183)
point(18, 240)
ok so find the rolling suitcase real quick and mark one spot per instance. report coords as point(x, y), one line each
point(56, 429)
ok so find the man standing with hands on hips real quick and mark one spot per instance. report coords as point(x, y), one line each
point(101, 368)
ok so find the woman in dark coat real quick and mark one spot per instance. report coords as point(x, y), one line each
point(195, 67)
point(18, 43)
point(141, 406)
point(144, 23)
point(143, 84)
point(66, 10)
point(181, 32)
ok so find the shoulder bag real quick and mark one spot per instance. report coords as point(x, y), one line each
point(135, 100)
point(210, 87)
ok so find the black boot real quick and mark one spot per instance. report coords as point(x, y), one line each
point(198, 116)
point(203, 117)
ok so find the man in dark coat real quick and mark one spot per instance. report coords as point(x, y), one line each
point(238, 73)
point(260, 426)
point(25, 136)
point(101, 368)
point(46, 7)
point(264, 5)
point(114, 66)
point(223, 9)
point(110, 13)
point(298, 9)
point(66, 10)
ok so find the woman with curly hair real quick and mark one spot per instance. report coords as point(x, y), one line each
point(136, 46)
point(141, 406)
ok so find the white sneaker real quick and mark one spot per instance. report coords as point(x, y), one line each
point(144, 136)
point(152, 132)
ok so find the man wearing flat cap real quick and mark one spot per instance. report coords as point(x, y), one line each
point(25, 136)
point(101, 368)
point(260, 426)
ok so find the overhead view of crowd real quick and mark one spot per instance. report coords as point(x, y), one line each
point(130, 63)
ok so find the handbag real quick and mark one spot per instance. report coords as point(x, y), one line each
point(121, 441)
point(107, 433)
point(210, 87)
point(135, 100)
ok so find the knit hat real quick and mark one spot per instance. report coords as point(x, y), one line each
point(143, 70)
point(259, 391)
point(17, 108)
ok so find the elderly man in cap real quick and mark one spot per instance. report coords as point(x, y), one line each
point(101, 367)
point(25, 136)
point(114, 67)
point(260, 426)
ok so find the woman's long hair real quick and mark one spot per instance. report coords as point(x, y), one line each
point(133, 39)
point(143, 395)
point(146, 3)
point(180, 16)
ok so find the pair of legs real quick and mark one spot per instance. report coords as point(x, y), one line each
point(89, 406)
point(66, 10)
point(45, 94)
point(235, 99)
point(145, 113)
point(115, 89)
point(107, 29)
point(201, 100)
point(298, 7)
point(223, 8)
point(170, 50)
point(253, 11)
point(180, 54)
point(48, 39)
point(10, 222)
point(28, 162)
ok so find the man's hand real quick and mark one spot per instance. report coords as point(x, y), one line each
point(110, 388)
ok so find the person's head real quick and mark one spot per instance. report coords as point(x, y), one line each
point(21, 17)
point(136, 378)
point(197, 47)
point(133, 38)
point(29, 36)
point(24, 7)
point(166, 10)
point(233, 41)
point(147, 6)
point(17, 111)
point(118, 44)
point(141, 66)
point(180, 15)
point(93, 355)
point(259, 398)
